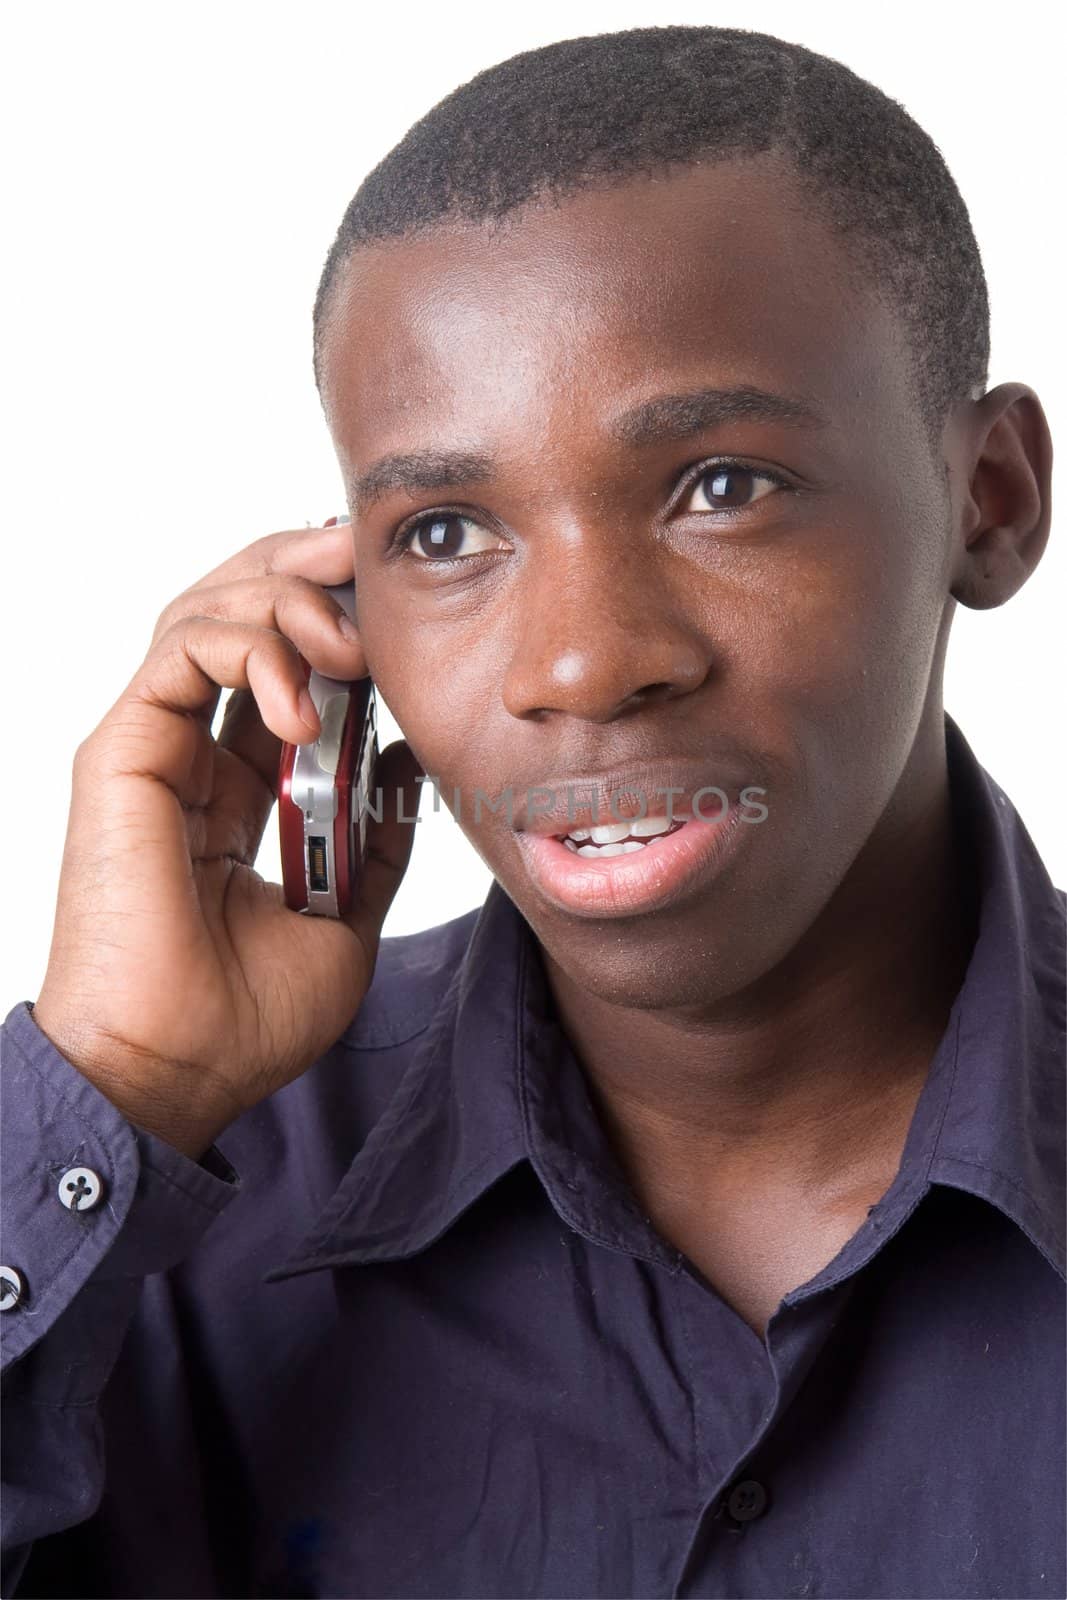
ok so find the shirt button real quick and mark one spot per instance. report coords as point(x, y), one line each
point(11, 1288)
point(80, 1189)
point(747, 1500)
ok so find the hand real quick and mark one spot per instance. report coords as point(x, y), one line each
point(178, 980)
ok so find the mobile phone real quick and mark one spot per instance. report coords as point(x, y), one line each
point(324, 789)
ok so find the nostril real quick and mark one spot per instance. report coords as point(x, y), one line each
point(651, 693)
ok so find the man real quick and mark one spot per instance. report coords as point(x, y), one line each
point(685, 1221)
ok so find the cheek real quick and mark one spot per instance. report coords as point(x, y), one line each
point(842, 655)
point(439, 671)
point(849, 616)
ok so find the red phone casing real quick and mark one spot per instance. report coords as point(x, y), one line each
point(344, 838)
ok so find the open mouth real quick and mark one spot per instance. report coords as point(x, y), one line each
point(579, 871)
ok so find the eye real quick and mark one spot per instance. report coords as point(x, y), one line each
point(731, 486)
point(445, 536)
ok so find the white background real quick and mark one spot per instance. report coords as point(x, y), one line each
point(175, 176)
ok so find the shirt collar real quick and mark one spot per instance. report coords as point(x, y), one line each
point(993, 1122)
point(453, 1125)
point(494, 1082)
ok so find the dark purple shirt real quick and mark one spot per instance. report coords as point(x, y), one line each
point(405, 1332)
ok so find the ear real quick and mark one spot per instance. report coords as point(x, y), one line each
point(1003, 449)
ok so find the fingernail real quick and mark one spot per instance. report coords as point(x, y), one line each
point(348, 628)
point(308, 714)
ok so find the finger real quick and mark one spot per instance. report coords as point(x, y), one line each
point(152, 728)
point(248, 754)
point(294, 606)
point(325, 555)
point(389, 842)
point(234, 821)
point(245, 800)
point(245, 735)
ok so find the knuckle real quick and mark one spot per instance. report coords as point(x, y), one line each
point(297, 600)
point(187, 607)
point(208, 603)
point(87, 754)
point(293, 586)
point(164, 620)
point(169, 630)
point(279, 646)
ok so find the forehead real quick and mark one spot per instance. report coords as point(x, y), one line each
point(722, 273)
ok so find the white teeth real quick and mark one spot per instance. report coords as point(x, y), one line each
point(647, 827)
point(609, 835)
point(610, 832)
point(617, 849)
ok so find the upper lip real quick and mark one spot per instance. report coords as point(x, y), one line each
point(557, 806)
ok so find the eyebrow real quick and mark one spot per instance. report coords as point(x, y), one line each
point(663, 419)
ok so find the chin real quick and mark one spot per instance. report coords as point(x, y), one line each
point(674, 968)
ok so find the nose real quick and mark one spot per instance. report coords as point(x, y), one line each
point(601, 632)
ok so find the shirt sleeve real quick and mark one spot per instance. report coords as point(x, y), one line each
point(90, 1204)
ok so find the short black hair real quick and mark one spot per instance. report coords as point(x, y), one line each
point(594, 110)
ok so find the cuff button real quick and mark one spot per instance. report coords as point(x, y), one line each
point(80, 1189)
point(12, 1288)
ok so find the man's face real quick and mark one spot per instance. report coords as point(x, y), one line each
point(614, 600)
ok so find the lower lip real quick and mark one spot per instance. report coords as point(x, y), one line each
point(645, 880)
